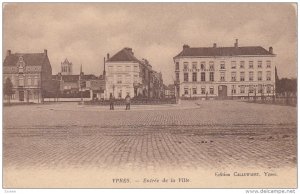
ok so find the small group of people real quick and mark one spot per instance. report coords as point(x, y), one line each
point(112, 101)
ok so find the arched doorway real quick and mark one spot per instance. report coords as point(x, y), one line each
point(222, 91)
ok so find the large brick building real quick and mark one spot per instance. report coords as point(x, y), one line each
point(225, 72)
point(30, 74)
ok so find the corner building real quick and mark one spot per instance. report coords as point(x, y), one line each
point(225, 72)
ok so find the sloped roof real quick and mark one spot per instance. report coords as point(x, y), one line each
point(74, 78)
point(223, 51)
point(31, 59)
point(124, 55)
point(70, 78)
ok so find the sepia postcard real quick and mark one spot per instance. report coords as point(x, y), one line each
point(149, 95)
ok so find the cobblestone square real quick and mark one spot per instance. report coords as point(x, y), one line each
point(192, 135)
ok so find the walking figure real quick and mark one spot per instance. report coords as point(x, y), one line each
point(111, 101)
point(127, 100)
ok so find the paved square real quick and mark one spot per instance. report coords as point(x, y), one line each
point(195, 134)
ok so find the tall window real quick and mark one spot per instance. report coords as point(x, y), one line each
point(127, 79)
point(222, 65)
point(194, 90)
point(251, 89)
point(233, 76)
point(259, 76)
point(185, 66)
point(119, 79)
point(202, 65)
point(260, 88)
point(211, 90)
point(268, 89)
point(242, 76)
point(203, 76)
point(211, 76)
point(194, 64)
point(194, 76)
point(233, 89)
point(242, 89)
point(186, 91)
point(268, 64)
point(177, 76)
point(242, 64)
point(233, 64)
point(222, 76)
point(21, 81)
point(251, 76)
point(250, 64)
point(119, 68)
point(203, 90)
point(177, 66)
point(128, 68)
point(186, 77)
point(259, 64)
point(36, 81)
point(268, 75)
point(135, 78)
point(136, 68)
point(211, 66)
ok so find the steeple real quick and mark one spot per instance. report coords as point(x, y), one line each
point(104, 72)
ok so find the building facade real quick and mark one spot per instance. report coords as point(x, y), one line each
point(225, 72)
point(30, 74)
point(125, 74)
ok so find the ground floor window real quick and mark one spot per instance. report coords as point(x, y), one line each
point(242, 89)
point(251, 89)
point(186, 91)
point(203, 90)
point(211, 90)
point(268, 89)
point(194, 90)
point(233, 89)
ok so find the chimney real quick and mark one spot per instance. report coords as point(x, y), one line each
point(185, 46)
point(8, 52)
point(130, 50)
point(107, 56)
point(236, 44)
point(271, 50)
point(45, 51)
point(215, 45)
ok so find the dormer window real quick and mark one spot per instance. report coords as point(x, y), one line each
point(21, 69)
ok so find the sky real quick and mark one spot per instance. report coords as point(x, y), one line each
point(85, 32)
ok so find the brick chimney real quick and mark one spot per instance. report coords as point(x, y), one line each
point(271, 50)
point(215, 45)
point(185, 46)
point(45, 51)
point(236, 44)
point(130, 50)
point(107, 56)
point(8, 52)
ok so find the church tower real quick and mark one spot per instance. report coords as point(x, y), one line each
point(66, 67)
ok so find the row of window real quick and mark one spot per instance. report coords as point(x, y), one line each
point(251, 89)
point(20, 81)
point(222, 65)
point(124, 79)
point(65, 69)
point(123, 68)
point(222, 76)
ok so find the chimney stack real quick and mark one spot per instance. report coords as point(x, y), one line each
point(215, 45)
point(8, 53)
point(107, 56)
point(236, 44)
point(45, 51)
point(271, 50)
point(185, 46)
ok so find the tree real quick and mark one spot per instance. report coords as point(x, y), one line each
point(8, 91)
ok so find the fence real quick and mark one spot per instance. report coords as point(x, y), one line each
point(133, 102)
point(280, 100)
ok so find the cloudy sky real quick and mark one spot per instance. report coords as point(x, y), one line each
point(84, 33)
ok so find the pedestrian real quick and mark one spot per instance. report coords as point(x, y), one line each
point(111, 101)
point(127, 101)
